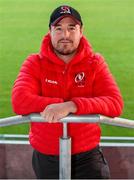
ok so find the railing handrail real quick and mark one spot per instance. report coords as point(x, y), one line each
point(36, 117)
point(103, 138)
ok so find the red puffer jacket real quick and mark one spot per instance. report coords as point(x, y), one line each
point(45, 79)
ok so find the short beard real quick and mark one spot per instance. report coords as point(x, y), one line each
point(62, 52)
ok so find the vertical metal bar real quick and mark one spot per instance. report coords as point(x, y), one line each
point(65, 155)
point(65, 134)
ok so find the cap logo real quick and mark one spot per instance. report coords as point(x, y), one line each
point(65, 10)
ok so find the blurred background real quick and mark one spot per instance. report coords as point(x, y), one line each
point(108, 24)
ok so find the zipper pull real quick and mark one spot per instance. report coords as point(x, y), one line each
point(65, 69)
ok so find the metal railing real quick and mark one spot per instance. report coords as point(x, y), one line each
point(65, 140)
point(35, 117)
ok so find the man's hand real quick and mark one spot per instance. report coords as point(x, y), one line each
point(55, 112)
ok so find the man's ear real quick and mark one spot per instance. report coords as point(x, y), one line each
point(50, 32)
point(81, 30)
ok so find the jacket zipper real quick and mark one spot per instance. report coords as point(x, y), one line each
point(65, 82)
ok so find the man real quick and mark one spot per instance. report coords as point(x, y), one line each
point(66, 77)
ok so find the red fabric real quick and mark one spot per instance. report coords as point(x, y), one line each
point(45, 79)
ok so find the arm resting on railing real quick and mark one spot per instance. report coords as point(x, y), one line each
point(71, 118)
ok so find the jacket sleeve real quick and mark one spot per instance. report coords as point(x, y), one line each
point(106, 99)
point(26, 92)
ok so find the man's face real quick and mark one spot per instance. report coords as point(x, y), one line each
point(65, 36)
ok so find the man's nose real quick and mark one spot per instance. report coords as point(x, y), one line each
point(65, 33)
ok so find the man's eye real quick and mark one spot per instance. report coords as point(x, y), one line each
point(58, 29)
point(72, 28)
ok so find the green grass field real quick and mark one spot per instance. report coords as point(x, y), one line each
point(109, 26)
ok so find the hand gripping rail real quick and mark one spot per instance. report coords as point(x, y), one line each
point(35, 117)
point(65, 140)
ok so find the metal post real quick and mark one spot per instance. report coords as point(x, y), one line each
point(65, 155)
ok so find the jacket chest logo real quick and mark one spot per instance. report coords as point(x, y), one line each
point(80, 79)
point(51, 81)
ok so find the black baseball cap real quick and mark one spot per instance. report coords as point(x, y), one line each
point(64, 11)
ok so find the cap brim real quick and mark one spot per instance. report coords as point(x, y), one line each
point(60, 18)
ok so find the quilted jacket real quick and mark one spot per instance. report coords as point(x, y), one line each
point(86, 80)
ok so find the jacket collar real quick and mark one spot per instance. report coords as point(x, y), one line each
point(84, 51)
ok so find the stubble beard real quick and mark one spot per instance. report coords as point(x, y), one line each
point(64, 50)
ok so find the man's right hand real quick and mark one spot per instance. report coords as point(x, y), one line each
point(54, 112)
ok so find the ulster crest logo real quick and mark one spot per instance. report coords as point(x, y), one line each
point(80, 79)
point(65, 10)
